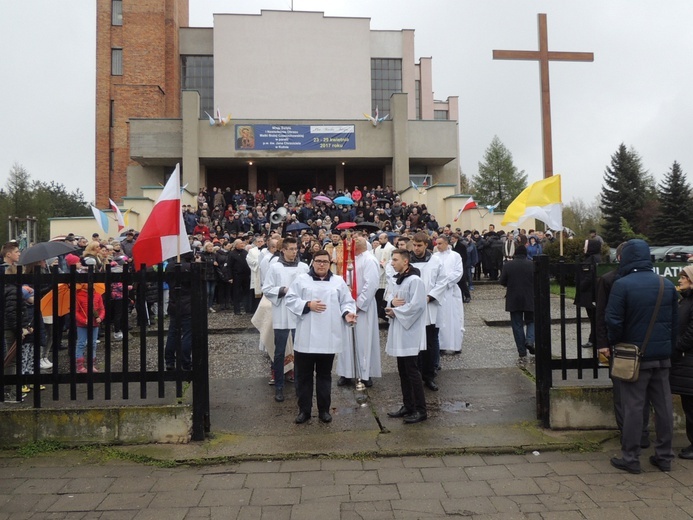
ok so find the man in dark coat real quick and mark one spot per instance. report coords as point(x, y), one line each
point(238, 271)
point(632, 303)
point(518, 277)
point(180, 316)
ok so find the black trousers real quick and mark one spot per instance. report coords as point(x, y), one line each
point(305, 365)
point(687, 405)
point(413, 396)
point(241, 295)
point(379, 295)
point(427, 358)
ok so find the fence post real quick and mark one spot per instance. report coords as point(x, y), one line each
point(200, 374)
point(542, 332)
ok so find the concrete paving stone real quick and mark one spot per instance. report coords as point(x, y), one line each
point(17, 504)
point(320, 493)
point(563, 515)
point(421, 490)
point(276, 512)
point(684, 477)
point(177, 482)
point(78, 502)
point(311, 478)
point(468, 506)
point(573, 468)
point(567, 501)
point(8, 485)
point(467, 489)
point(88, 471)
point(31, 472)
point(226, 497)
point(275, 496)
point(387, 462)
point(129, 470)
point(462, 461)
point(370, 493)
point(540, 469)
point(87, 485)
point(444, 474)
point(267, 466)
point(656, 492)
point(367, 507)
point(300, 465)
point(659, 513)
point(602, 494)
point(546, 456)
point(371, 515)
point(112, 515)
point(417, 508)
point(39, 486)
point(222, 481)
point(493, 460)
point(568, 483)
point(227, 512)
point(201, 512)
point(327, 509)
point(423, 462)
point(340, 465)
point(124, 501)
point(177, 498)
point(267, 480)
point(391, 475)
point(487, 472)
point(132, 484)
point(356, 477)
point(612, 513)
point(173, 513)
point(514, 486)
point(504, 504)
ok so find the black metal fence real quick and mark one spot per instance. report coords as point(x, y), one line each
point(574, 314)
point(138, 359)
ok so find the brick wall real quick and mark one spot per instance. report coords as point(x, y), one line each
point(149, 86)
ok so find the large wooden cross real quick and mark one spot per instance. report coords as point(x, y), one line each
point(543, 56)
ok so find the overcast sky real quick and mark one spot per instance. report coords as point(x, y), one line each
point(637, 91)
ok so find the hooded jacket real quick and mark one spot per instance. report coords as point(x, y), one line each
point(632, 301)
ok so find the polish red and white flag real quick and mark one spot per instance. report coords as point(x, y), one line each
point(470, 204)
point(163, 235)
point(119, 216)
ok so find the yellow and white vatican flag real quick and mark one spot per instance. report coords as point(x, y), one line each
point(540, 200)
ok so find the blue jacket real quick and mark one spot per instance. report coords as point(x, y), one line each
point(633, 299)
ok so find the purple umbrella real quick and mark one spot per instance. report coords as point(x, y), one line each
point(323, 198)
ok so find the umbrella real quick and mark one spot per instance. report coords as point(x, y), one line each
point(297, 226)
point(344, 200)
point(323, 198)
point(367, 226)
point(346, 225)
point(382, 201)
point(64, 298)
point(44, 251)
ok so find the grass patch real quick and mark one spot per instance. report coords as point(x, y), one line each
point(39, 448)
point(555, 288)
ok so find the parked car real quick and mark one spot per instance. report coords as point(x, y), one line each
point(685, 254)
point(659, 252)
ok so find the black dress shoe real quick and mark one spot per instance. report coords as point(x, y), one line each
point(343, 381)
point(588, 345)
point(431, 385)
point(662, 465)
point(686, 453)
point(279, 396)
point(530, 348)
point(302, 417)
point(325, 417)
point(402, 412)
point(170, 367)
point(368, 382)
point(415, 417)
point(621, 464)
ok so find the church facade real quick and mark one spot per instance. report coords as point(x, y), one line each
point(278, 99)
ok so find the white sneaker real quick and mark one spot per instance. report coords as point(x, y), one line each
point(45, 364)
point(211, 309)
point(118, 336)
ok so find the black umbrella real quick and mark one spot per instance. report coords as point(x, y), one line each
point(383, 201)
point(367, 226)
point(297, 226)
point(44, 251)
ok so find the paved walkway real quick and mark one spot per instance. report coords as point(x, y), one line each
point(553, 485)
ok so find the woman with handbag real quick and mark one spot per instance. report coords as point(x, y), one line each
point(681, 374)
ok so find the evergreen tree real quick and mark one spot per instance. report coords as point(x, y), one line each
point(498, 179)
point(673, 224)
point(625, 193)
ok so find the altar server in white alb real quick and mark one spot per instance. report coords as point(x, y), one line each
point(406, 337)
point(279, 277)
point(322, 304)
point(434, 279)
point(451, 322)
point(367, 344)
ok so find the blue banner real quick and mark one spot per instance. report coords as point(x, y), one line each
point(296, 137)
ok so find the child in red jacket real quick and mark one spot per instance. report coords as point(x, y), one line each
point(82, 322)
